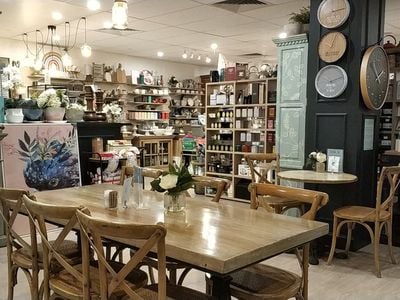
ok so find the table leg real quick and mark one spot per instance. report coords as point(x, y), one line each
point(220, 287)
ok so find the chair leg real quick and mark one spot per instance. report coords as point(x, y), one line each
point(12, 280)
point(172, 276)
point(376, 241)
point(151, 275)
point(348, 240)
point(388, 226)
point(108, 252)
point(333, 244)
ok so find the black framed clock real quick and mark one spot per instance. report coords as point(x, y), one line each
point(374, 77)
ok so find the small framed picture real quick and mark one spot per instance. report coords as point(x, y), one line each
point(335, 160)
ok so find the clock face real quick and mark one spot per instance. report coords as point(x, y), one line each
point(333, 13)
point(332, 46)
point(374, 77)
point(331, 81)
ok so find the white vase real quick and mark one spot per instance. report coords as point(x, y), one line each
point(54, 114)
point(14, 115)
point(74, 115)
point(293, 29)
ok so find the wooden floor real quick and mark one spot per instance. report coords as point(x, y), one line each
point(345, 279)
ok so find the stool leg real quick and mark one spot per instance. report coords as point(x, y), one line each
point(350, 227)
point(333, 244)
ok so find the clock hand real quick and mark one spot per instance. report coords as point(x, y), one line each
point(338, 9)
point(376, 72)
point(333, 41)
point(379, 76)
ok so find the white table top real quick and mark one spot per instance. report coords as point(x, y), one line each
point(308, 176)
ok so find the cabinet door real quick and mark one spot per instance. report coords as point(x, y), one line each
point(150, 155)
point(291, 100)
point(165, 152)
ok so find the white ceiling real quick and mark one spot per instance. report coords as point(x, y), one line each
point(171, 26)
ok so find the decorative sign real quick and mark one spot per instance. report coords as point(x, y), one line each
point(335, 160)
point(368, 134)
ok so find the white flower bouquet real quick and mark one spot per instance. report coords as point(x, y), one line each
point(173, 182)
point(76, 106)
point(315, 157)
point(113, 109)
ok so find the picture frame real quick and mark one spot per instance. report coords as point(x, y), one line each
point(4, 62)
point(98, 72)
point(335, 160)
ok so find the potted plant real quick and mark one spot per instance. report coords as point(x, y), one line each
point(31, 110)
point(174, 184)
point(14, 113)
point(14, 82)
point(53, 102)
point(316, 161)
point(74, 112)
point(298, 22)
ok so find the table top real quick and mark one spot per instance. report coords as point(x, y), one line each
point(308, 176)
point(217, 237)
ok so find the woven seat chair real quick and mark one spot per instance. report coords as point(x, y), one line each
point(66, 282)
point(261, 281)
point(374, 219)
point(115, 284)
point(267, 174)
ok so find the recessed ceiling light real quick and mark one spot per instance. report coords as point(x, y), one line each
point(199, 57)
point(283, 35)
point(191, 55)
point(160, 54)
point(93, 4)
point(214, 46)
point(56, 15)
point(107, 24)
point(184, 55)
point(208, 60)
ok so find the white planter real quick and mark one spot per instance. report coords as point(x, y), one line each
point(74, 115)
point(14, 115)
point(54, 113)
point(293, 29)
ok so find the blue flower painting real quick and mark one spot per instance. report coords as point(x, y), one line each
point(50, 163)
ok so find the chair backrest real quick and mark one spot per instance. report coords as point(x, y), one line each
point(12, 205)
point(315, 199)
point(95, 229)
point(391, 176)
point(263, 167)
point(38, 213)
point(146, 172)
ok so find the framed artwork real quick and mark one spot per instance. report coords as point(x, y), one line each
point(4, 62)
point(98, 72)
point(41, 157)
point(335, 160)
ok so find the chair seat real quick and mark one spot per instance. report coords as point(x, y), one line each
point(360, 213)
point(174, 292)
point(65, 285)
point(70, 249)
point(264, 282)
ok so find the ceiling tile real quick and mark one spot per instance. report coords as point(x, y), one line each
point(152, 8)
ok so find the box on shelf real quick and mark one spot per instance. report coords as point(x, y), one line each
point(241, 71)
point(230, 74)
point(243, 170)
point(221, 99)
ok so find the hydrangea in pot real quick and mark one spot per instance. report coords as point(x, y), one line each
point(53, 102)
point(174, 184)
point(113, 111)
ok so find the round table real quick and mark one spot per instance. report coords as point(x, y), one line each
point(308, 176)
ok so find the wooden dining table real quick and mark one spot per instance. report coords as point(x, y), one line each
point(218, 238)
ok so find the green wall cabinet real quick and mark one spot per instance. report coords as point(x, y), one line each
point(291, 100)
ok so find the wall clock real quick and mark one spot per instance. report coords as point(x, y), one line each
point(332, 46)
point(374, 77)
point(333, 13)
point(331, 81)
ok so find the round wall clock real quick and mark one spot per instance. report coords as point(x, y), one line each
point(332, 46)
point(374, 77)
point(331, 81)
point(333, 13)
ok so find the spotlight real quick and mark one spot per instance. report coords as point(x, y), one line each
point(283, 35)
point(208, 60)
point(160, 54)
point(184, 55)
point(93, 4)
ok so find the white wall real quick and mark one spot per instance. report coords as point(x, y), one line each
point(15, 50)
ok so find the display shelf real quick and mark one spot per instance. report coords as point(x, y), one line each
point(251, 121)
point(144, 103)
point(219, 174)
point(183, 118)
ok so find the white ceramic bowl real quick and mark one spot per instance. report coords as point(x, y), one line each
point(158, 131)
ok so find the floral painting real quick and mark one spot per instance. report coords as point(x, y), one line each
point(41, 157)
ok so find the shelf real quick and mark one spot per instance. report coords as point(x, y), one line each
point(219, 174)
point(186, 94)
point(179, 118)
point(148, 95)
point(250, 105)
point(250, 129)
point(220, 106)
point(217, 151)
point(149, 86)
point(223, 129)
point(147, 110)
point(152, 120)
point(145, 103)
point(186, 106)
point(221, 83)
point(243, 177)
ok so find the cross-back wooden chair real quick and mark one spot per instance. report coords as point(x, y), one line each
point(261, 281)
point(146, 172)
point(114, 285)
point(263, 169)
point(66, 282)
point(374, 219)
point(20, 253)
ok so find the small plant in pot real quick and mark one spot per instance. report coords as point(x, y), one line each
point(74, 112)
point(53, 102)
point(298, 22)
point(13, 111)
point(31, 110)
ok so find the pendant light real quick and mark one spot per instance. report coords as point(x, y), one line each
point(86, 50)
point(120, 14)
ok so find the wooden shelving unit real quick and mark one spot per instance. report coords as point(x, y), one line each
point(236, 125)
